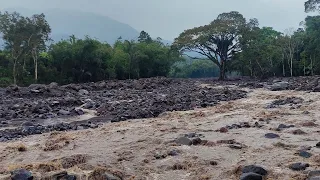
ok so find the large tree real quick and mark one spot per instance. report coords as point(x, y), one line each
point(312, 5)
point(217, 41)
point(16, 34)
point(40, 30)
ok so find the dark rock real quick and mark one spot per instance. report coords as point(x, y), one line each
point(283, 126)
point(109, 176)
point(223, 130)
point(213, 163)
point(184, 141)
point(314, 173)
point(271, 136)
point(191, 135)
point(196, 141)
point(53, 85)
point(251, 176)
point(299, 166)
point(245, 125)
point(21, 174)
point(83, 92)
point(304, 154)
point(298, 132)
point(254, 169)
point(279, 86)
point(173, 153)
point(318, 145)
point(315, 177)
point(235, 146)
point(160, 156)
point(63, 112)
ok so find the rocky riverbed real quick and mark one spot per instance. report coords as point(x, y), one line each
point(163, 129)
point(43, 108)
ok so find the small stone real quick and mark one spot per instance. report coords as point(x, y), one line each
point(235, 146)
point(304, 154)
point(184, 141)
point(213, 163)
point(309, 124)
point(223, 130)
point(191, 135)
point(63, 112)
point(173, 153)
point(21, 174)
point(111, 177)
point(283, 126)
point(254, 169)
point(318, 145)
point(271, 136)
point(196, 141)
point(314, 178)
point(299, 166)
point(83, 92)
point(250, 176)
point(314, 173)
point(245, 125)
point(305, 112)
point(298, 132)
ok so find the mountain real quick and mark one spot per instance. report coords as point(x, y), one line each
point(70, 22)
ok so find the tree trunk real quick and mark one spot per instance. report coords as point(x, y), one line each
point(35, 61)
point(14, 72)
point(283, 69)
point(222, 69)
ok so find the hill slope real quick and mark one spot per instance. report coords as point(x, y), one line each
point(69, 22)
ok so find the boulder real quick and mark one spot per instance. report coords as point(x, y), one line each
point(279, 86)
point(255, 169)
point(21, 174)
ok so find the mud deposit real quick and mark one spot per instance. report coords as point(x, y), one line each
point(231, 130)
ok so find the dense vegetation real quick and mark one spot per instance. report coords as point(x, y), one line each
point(27, 58)
point(230, 43)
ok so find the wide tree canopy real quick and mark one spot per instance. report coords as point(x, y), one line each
point(218, 41)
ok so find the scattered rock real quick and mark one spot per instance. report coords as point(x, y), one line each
point(63, 112)
point(109, 176)
point(21, 174)
point(298, 132)
point(196, 141)
point(309, 124)
point(304, 154)
point(271, 136)
point(83, 92)
point(184, 141)
point(314, 173)
point(254, 169)
point(283, 126)
point(298, 166)
point(235, 146)
point(223, 130)
point(173, 153)
point(251, 176)
point(213, 163)
point(279, 86)
point(314, 178)
point(318, 145)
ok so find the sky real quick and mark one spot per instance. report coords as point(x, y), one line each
point(168, 18)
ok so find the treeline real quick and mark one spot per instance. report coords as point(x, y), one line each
point(27, 58)
point(236, 44)
point(230, 44)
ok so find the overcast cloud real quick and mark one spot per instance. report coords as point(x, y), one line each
point(168, 18)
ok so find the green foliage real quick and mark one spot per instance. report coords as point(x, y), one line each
point(197, 68)
point(218, 41)
point(312, 5)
